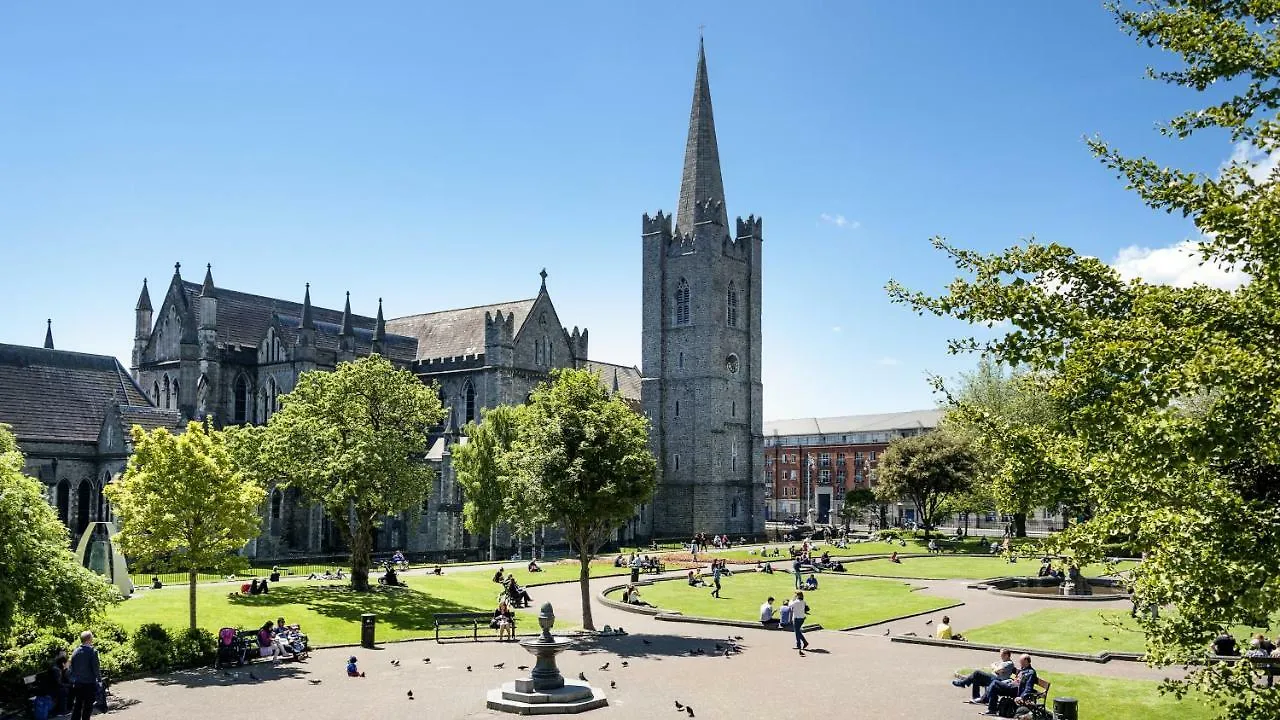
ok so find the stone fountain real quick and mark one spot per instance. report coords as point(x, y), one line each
point(545, 692)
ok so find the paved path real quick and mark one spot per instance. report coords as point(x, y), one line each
point(845, 674)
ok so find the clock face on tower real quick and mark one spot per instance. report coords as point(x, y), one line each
point(731, 364)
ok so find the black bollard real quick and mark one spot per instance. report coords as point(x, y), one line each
point(1065, 708)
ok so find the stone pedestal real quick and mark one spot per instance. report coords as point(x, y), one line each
point(545, 692)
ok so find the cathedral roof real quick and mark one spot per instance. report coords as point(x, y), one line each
point(627, 376)
point(450, 333)
point(61, 396)
point(395, 347)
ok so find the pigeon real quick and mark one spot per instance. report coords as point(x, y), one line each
point(604, 666)
point(396, 663)
point(886, 632)
point(689, 709)
point(929, 621)
point(679, 706)
point(522, 667)
point(468, 668)
point(625, 663)
point(737, 637)
point(1107, 639)
point(252, 676)
point(499, 666)
point(315, 682)
point(613, 684)
point(582, 677)
point(426, 660)
point(410, 694)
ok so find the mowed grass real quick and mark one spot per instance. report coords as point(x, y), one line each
point(1064, 630)
point(1105, 698)
point(840, 602)
point(564, 571)
point(953, 567)
point(856, 549)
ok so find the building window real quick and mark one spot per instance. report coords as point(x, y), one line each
point(824, 477)
point(733, 409)
point(681, 361)
point(677, 461)
point(64, 501)
point(733, 508)
point(240, 416)
point(83, 494)
point(270, 401)
point(546, 343)
point(155, 392)
point(682, 302)
point(677, 408)
point(733, 455)
point(469, 393)
point(167, 394)
point(176, 397)
point(839, 458)
point(731, 306)
point(824, 460)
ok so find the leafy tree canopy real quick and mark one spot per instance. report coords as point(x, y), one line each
point(355, 440)
point(1168, 397)
point(488, 470)
point(182, 504)
point(926, 469)
point(43, 583)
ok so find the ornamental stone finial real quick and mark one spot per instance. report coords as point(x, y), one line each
point(546, 619)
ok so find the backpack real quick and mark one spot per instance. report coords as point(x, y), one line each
point(1006, 707)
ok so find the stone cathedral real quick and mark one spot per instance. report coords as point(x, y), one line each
point(701, 383)
point(203, 351)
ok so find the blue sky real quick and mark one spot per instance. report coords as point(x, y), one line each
point(439, 154)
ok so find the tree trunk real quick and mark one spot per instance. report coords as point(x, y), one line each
point(191, 595)
point(1020, 525)
point(584, 583)
point(492, 532)
point(361, 542)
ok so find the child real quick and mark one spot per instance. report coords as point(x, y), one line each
point(352, 671)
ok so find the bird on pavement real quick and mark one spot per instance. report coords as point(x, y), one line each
point(396, 663)
point(679, 706)
point(499, 665)
point(315, 682)
point(582, 677)
point(689, 709)
point(468, 668)
point(625, 663)
point(426, 660)
point(522, 667)
point(604, 666)
point(929, 621)
point(613, 684)
point(886, 632)
point(410, 694)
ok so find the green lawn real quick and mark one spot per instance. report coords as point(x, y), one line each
point(1064, 629)
point(914, 545)
point(566, 570)
point(840, 602)
point(1104, 698)
point(952, 567)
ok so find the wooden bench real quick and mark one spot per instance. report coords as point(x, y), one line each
point(462, 619)
point(655, 569)
point(1037, 699)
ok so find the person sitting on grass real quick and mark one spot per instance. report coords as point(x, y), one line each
point(504, 620)
point(811, 582)
point(631, 596)
point(533, 566)
point(438, 570)
point(695, 578)
point(497, 577)
point(894, 558)
point(978, 680)
point(933, 548)
point(945, 632)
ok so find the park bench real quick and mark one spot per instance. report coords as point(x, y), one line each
point(461, 619)
point(657, 568)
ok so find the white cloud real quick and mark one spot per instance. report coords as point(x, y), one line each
point(890, 361)
point(837, 329)
point(1178, 265)
point(839, 221)
point(1262, 164)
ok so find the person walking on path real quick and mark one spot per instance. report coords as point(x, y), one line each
point(795, 569)
point(715, 578)
point(799, 609)
point(85, 676)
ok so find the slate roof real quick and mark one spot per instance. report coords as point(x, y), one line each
point(243, 319)
point(450, 333)
point(628, 377)
point(61, 396)
point(396, 347)
point(881, 422)
point(149, 418)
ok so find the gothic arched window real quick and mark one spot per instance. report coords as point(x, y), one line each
point(277, 498)
point(167, 395)
point(731, 306)
point(271, 403)
point(155, 392)
point(469, 402)
point(176, 397)
point(84, 495)
point(682, 302)
point(63, 501)
point(240, 416)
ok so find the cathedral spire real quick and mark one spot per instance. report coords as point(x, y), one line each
point(308, 323)
point(347, 329)
point(144, 298)
point(701, 181)
point(380, 329)
point(207, 289)
point(48, 334)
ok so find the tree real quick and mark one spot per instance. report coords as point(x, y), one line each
point(1168, 397)
point(43, 582)
point(488, 471)
point(1000, 413)
point(925, 469)
point(585, 454)
point(181, 504)
point(855, 503)
point(355, 441)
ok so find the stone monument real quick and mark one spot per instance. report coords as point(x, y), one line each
point(97, 550)
point(545, 692)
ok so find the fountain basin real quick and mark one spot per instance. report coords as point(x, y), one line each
point(1047, 588)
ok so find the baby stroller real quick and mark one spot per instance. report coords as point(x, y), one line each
point(231, 648)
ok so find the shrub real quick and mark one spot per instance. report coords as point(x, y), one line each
point(153, 646)
point(117, 659)
point(194, 647)
point(34, 656)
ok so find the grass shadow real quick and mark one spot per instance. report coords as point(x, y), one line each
point(401, 608)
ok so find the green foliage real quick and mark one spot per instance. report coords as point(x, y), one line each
point(182, 504)
point(355, 441)
point(35, 656)
point(194, 647)
point(1168, 398)
point(926, 469)
point(584, 462)
point(488, 471)
point(42, 582)
point(856, 502)
point(153, 646)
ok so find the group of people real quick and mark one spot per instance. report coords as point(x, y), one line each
point(512, 592)
point(631, 596)
point(1004, 679)
point(641, 562)
point(1048, 570)
point(504, 620)
point(790, 616)
point(72, 684)
point(279, 641)
point(1259, 646)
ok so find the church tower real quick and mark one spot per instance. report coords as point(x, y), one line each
point(701, 385)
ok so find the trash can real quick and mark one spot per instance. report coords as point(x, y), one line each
point(635, 574)
point(1065, 708)
point(367, 623)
